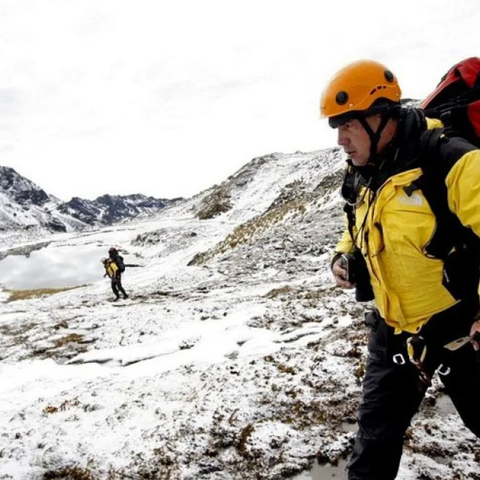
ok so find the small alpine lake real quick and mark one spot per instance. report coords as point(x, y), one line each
point(53, 266)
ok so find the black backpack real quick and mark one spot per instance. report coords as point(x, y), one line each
point(120, 264)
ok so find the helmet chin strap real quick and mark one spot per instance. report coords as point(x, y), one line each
point(374, 135)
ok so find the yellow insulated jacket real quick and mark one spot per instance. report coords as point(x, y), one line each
point(392, 228)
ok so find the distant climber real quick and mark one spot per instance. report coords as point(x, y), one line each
point(114, 267)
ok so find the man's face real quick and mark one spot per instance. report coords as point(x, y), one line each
point(355, 141)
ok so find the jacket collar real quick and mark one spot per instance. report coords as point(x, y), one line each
point(400, 154)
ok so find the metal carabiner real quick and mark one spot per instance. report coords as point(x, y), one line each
point(443, 370)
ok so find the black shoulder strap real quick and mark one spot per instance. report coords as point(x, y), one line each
point(349, 210)
point(430, 141)
point(449, 232)
point(352, 183)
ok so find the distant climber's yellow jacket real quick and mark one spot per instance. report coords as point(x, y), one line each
point(407, 284)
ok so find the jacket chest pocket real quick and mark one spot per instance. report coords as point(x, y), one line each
point(409, 220)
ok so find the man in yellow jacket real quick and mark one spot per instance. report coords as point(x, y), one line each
point(423, 301)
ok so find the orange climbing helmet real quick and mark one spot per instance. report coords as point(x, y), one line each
point(360, 89)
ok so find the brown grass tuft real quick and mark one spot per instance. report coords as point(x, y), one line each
point(68, 473)
point(35, 293)
point(72, 338)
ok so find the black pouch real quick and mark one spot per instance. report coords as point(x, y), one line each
point(379, 339)
point(357, 273)
point(461, 274)
point(372, 320)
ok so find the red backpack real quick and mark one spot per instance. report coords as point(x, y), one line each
point(456, 100)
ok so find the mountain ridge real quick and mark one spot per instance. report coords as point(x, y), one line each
point(24, 206)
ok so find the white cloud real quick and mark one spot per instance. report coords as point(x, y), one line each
point(167, 98)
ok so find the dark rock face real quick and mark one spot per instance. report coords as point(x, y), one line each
point(56, 225)
point(118, 207)
point(109, 209)
point(20, 190)
point(86, 211)
point(46, 211)
point(216, 203)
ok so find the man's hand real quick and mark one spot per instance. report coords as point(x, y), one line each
point(475, 334)
point(340, 275)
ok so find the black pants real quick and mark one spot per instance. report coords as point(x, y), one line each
point(117, 286)
point(392, 394)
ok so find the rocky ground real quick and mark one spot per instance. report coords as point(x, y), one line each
point(234, 358)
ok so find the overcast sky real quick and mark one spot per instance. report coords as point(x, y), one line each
point(167, 98)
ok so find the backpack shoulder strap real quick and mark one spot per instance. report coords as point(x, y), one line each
point(456, 245)
point(430, 141)
point(351, 186)
point(349, 210)
point(436, 161)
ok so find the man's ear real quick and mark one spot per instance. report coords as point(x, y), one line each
point(374, 121)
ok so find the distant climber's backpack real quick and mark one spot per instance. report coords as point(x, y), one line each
point(120, 264)
point(456, 102)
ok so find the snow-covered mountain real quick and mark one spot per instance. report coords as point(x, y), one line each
point(26, 206)
point(235, 357)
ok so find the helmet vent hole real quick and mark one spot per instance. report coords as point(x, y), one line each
point(377, 88)
point(341, 98)
point(389, 76)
